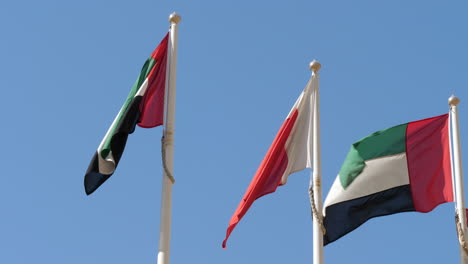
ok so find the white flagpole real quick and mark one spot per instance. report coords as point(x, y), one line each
point(458, 171)
point(168, 145)
point(454, 191)
point(317, 171)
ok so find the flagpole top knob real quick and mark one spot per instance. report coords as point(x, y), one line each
point(453, 100)
point(315, 66)
point(174, 18)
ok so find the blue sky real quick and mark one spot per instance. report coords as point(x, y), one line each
point(67, 66)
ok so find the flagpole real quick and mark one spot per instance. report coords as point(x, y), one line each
point(458, 171)
point(454, 191)
point(168, 145)
point(315, 66)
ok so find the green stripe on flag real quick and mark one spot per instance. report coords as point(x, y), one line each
point(382, 143)
point(147, 67)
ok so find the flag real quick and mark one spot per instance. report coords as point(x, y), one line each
point(144, 106)
point(400, 169)
point(290, 152)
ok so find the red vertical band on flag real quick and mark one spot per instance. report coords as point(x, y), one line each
point(268, 175)
point(428, 155)
point(152, 103)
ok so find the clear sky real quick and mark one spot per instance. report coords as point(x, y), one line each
point(66, 68)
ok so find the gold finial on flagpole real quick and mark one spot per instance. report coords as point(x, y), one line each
point(315, 66)
point(175, 18)
point(453, 100)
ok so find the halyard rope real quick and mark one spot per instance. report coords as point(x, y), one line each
point(163, 154)
point(314, 212)
point(461, 237)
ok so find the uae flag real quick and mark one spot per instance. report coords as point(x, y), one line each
point(290, 152)
point(144, 106)
point(400, 169)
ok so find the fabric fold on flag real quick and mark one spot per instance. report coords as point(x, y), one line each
point(400, 169)
point(290, 152)
point(144, 106)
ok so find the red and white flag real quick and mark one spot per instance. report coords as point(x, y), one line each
point(291, 151)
